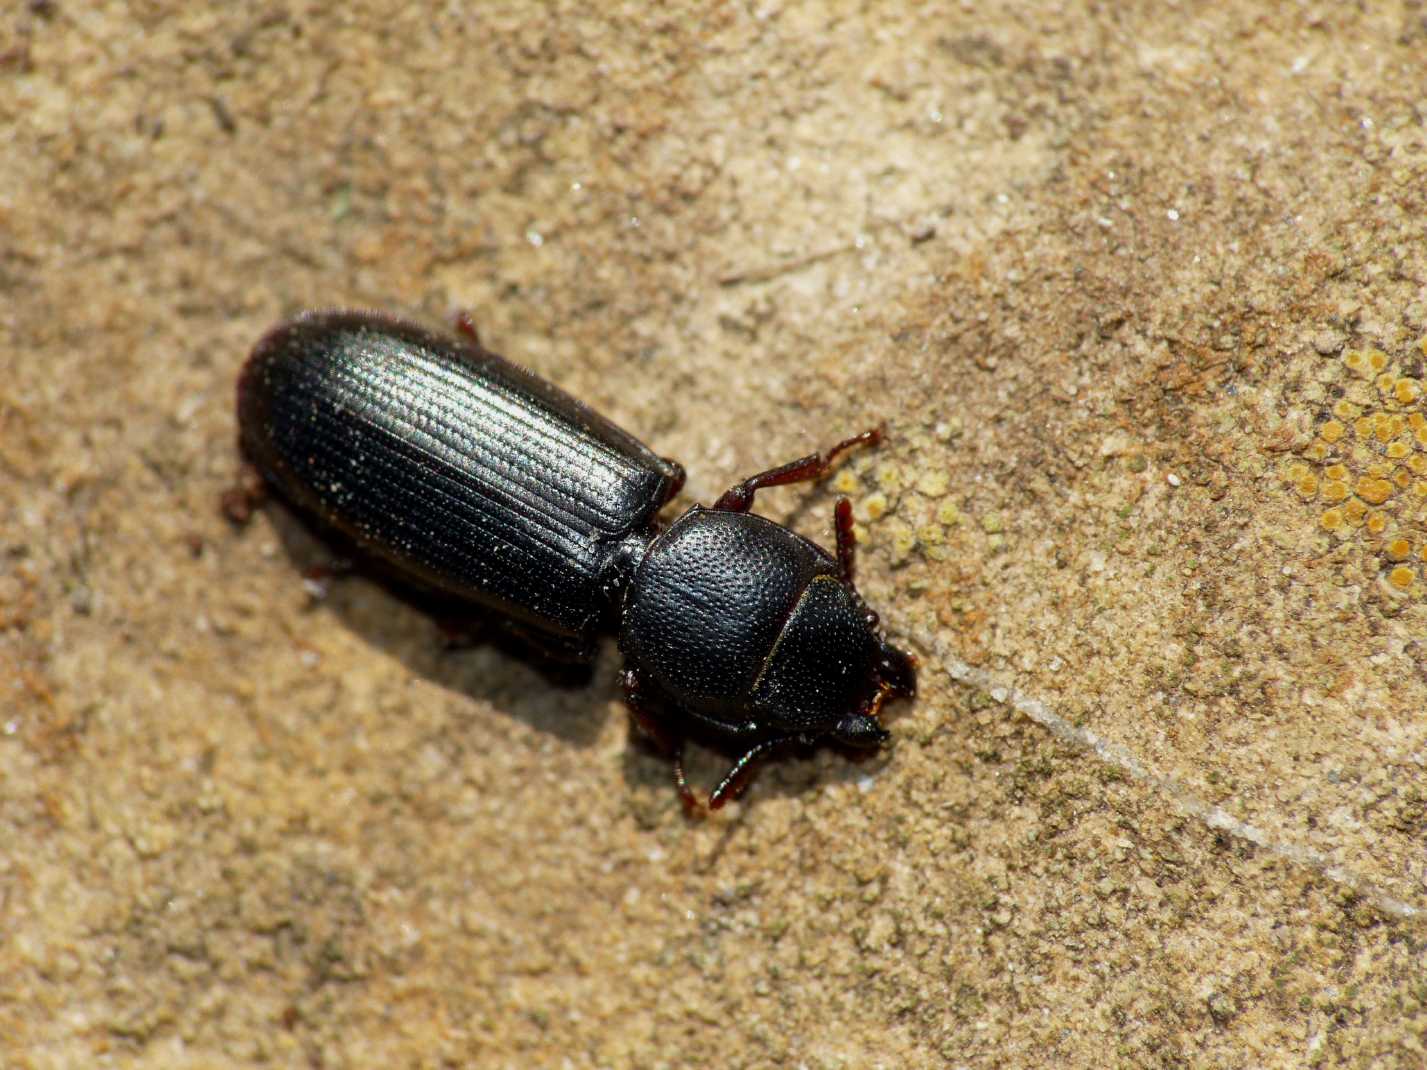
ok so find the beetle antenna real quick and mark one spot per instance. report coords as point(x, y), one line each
point(736, 779)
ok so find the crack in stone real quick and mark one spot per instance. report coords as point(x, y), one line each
point(1215, 817)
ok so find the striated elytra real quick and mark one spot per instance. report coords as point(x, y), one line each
point(465, 475)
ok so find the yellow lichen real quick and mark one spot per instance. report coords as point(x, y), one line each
point(931, 537)
point(1374, 490)
point(890, 479)
point(904, 541)
point(933, 484)
point(874, 506)
point(1371, 446)
point(1334, 490)
point(1398, 549)
point(1401, 577)
point(846, 482)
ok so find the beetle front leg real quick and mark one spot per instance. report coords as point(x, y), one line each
point(846, 539)
point(739, 498)
point(658, 733)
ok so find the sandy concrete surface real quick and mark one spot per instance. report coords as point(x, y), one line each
point(1140, 292)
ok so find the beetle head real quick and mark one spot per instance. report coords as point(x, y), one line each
point(897, 672)
point(830, 670)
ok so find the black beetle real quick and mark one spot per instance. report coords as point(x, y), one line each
point(469, 477)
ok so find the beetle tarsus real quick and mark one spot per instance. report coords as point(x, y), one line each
point(739, 498)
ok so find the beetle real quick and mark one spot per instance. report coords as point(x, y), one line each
point(466, 476)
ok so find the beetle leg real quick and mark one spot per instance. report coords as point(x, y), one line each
point(243, 498)
point(687, 797)
point(739, 497)
point(466, 328)
point(846, 539)
point(736, 779)
point(317, 579)
point(658, 734)
point(459, 633)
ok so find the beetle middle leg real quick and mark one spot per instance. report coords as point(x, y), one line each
point(667, 743)
point(739, 497)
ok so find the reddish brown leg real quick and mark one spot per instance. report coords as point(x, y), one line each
point(466, 327)
point(846, 539)
point(658, 734)
point(318, 579)
point(739, 498)
point(458, 633)
point(246, 494)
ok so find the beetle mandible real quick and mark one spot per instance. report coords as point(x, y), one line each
point(468, 476)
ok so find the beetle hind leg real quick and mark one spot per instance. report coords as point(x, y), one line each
point(465, 326)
